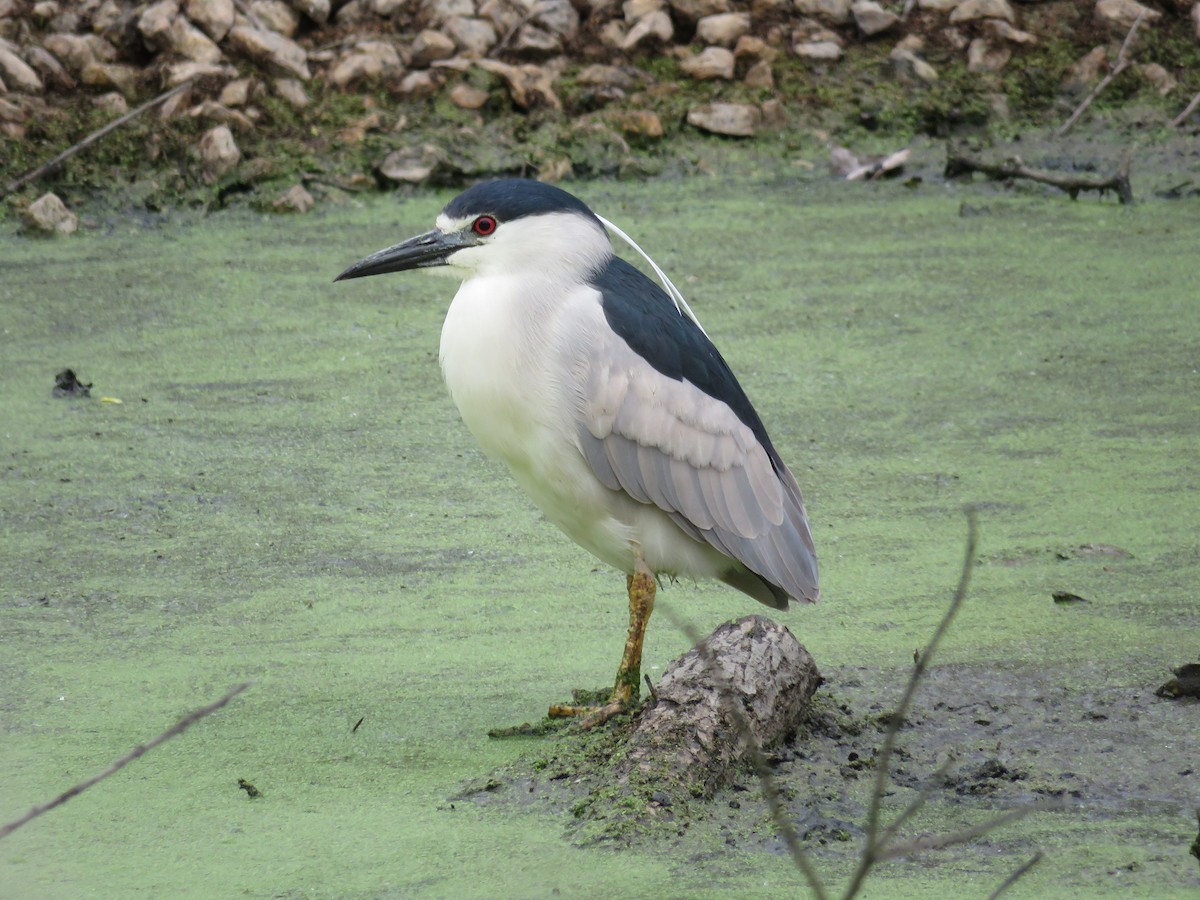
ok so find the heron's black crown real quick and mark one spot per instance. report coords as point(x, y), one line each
point(513, 198)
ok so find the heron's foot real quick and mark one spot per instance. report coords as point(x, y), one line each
point(592, 709)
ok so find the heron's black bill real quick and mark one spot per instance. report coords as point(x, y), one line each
point(422, 251)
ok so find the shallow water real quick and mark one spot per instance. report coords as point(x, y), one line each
point(285, 494)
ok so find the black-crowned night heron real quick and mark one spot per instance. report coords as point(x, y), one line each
point(607, 401)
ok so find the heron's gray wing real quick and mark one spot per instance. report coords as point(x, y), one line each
point(668, 442)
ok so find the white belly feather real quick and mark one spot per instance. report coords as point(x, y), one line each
point(499, 347)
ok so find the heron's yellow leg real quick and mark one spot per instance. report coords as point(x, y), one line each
point(641, 587)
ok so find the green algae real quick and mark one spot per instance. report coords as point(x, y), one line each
point(285, 495)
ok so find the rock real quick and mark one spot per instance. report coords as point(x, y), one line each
point(271, 49)
point(871, 18)
point(818, 51)
point(292, 92)
point(191, 43)
point(907, 63)
point(708, 64)
point(387, 8)
point(759, 75)
point(213, 111)
point(529, 86)
point(111, 75)
point(49, 68)
point(277, 16)
point(983, 57)
point(236, 93)
point(154, 24)
point(723, 29)
point(753, 49)
point(420, 83)
point(215, 17)
point(970, 10)
point(774, 116)
point(294, 200)
point(1087, 70)
point(635, 10)
point(49, 215)
point(410, 165)
point(938, 5)
point(834, 11)
point(112, 103)
point(218, 152)
point(999, 30)
point(317, 10)
point(730, 119)
point(1158, 77)
point(430, 45)
point(367, 61)
point(78, 52)
point(17, 72)
point(1124, 12)
point(655, 28)
point(178, 73)
point(598, 75)
point(639, 123)
point(438, 12)
point(695, 10)
point(474, 37)
point(466, 97)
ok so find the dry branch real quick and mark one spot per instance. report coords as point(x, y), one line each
point(178, 728)
point(958, 164)
point(1123, 62)
point(1187, 111)
point(52, 165)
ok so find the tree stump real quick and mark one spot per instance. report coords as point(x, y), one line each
point(686, 741)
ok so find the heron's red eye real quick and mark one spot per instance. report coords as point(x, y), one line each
point(484, 225)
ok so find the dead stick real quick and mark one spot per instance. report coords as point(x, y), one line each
point(1187, 111)
point(178, 728)
point(957, 164)
point(1122, 64)
point(46, 168)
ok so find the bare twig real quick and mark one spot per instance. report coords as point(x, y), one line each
point(950, 838)
point(1016, 876)
point(178, 728)
point(52, 165)
point(958, 164)
point(1123, 62)
point(783, 824)
point(1187, 111)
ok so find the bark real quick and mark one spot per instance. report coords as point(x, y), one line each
point(688, 737)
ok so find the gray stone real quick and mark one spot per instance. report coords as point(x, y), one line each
point(430, 45)
point(530, 86)
point(1087, 70)
point(111, 75)
point(46, 64)
point(723, 29)
point(367, 61)
point(292, 92)
point(272, 49)
point(317, 10)
point(49, 215)
point(17, 72)
point(999, 30)
point(154, 24)
point(709, 64)
point(112, 103)
point(178, 73)
point(730, 119)
point(871, 18)
point(983, 57)
point(656, 27)
point(818, 51)
point(215, 17)
point(1158, 77)
point(759, 75)
point(969, 10)
point(835, 11)
point(294, 200)
point(907, 63)
point(218, 152)
point(191, 43)
point(276, 16)
point(695, 10)
point(474, 37)
point(77, 52)
point(1124, 12)
point(464, 96)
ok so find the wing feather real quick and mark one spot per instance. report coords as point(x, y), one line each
point(666, 441)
